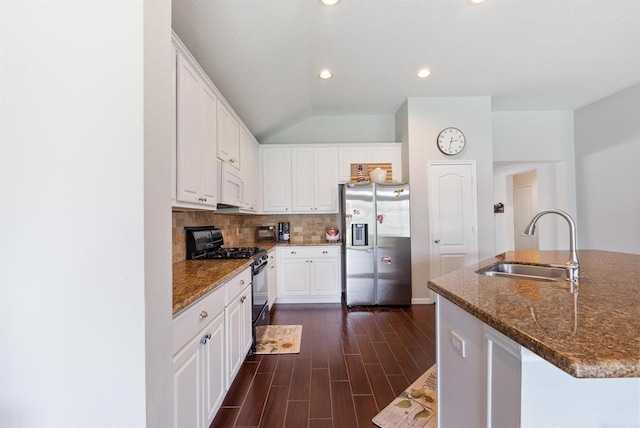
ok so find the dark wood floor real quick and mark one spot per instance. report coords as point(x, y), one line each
point(352, 363)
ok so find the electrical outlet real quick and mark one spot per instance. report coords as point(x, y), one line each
point(458, 344)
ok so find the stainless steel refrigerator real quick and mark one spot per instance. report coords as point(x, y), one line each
point(376, 243)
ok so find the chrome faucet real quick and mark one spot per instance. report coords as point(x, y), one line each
point(572, 266)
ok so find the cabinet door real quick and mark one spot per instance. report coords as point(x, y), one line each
point(187, 384)
point(272, 279)
point(302, 176)
point(391, 155)
point(233, 320)
point(247, 333)
point(208, 140)
point(276, 179)
point(325, 180)
point(347, 156)
point(249, 171)
point(228, 136)
point(324, 276)
point(188, 151)
point(295, 278)
point(212, 350)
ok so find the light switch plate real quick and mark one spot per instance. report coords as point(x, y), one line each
point(458, 344)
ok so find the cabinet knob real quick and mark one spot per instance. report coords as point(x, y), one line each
point(293, 252)
point(325, 252)
point(437, 241)
point(242, 282)
point(243, 298)
point(203, 315)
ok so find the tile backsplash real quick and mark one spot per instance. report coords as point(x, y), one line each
point(240, 229)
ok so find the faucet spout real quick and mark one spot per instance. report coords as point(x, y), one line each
point(572, 266)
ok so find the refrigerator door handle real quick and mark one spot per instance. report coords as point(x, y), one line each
point(385, 260)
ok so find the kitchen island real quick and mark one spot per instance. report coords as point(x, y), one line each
point(519, 352)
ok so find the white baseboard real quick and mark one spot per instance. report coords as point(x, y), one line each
point(422, 301)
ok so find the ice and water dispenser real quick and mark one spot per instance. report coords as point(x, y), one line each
point(359, 235)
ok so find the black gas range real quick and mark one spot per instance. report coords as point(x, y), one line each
point(206, 243)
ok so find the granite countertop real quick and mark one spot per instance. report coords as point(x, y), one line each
point(193, 279)
point(594, 333)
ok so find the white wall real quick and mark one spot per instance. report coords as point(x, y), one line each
point(542, 141)
point(75, 218)
point(426, 118)
point(607, 144)
point(158, 129)
point(337, 129)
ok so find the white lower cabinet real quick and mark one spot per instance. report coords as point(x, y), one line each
point(498, 383)
point(210, 340)
point(308, 274)
point(239, 335)
point(272, 278)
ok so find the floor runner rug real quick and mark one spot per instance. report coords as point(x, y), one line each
point(415, 407)
point(278, 339)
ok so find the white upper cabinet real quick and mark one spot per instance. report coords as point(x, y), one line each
point(249, 155)
point(314, 179)
point(276, 179)
point(228, 136)
point(207, 129)
point(196, 181)
point(370, 153)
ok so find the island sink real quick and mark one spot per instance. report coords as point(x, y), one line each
point(525, 271)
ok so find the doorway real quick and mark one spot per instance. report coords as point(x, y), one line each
point(525, 206)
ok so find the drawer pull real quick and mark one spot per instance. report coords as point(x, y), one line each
point(242, 282)
point(203, 315)
point(293, 252)
point(243, 298)
point(325, 252)
point(205, 338)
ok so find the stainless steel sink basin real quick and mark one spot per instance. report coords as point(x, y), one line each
point(523, 271)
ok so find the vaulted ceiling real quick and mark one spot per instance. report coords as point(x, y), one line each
point(264, 55)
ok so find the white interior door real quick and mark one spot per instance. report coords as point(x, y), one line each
point(525, 206)
point(452, 216)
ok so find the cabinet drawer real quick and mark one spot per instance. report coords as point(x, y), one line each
point(318, 252)
point(238, 283)
point(197, 316)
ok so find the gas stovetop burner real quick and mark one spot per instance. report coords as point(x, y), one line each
point(232, 253)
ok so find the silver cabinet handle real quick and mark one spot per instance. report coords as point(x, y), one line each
point(242, 282)
point(243, 298)
point(385, 260)
point(203, 315)
point(205, 338)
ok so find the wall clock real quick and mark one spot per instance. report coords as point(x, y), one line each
point(451, 141)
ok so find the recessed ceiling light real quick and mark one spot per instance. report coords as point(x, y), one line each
point(423, 73)
point(329, 2)
point(475, 2)
point(325, 74)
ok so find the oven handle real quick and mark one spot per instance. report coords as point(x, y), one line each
point(257, 270)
